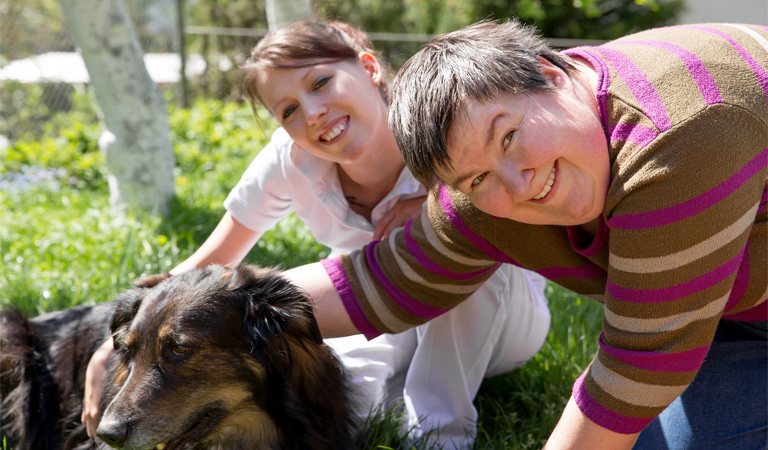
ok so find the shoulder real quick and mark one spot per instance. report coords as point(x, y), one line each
point(281, 142)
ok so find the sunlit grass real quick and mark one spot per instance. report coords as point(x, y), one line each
point(64, 247)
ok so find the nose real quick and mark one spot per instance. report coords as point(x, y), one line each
point(314, 110)
point(517, 180)
point(113, 433)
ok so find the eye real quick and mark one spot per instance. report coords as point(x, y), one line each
point(179, 350)
point(508, 138)
point(479, 179)
point(322, 81)
point(288, 111)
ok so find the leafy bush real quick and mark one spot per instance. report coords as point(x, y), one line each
point(56, 245)
point(67, 141)
point(61, 248)
point(218, 138)
point(210, 135)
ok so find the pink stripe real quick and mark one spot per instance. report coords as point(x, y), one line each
point(603, 416)
point(435, 268)
point(406, 302)
point(636, 134)
point(695, 66)
point(741, 282)
point(671, 293)
point(335, 271)
point(597, 244)
point(758, 313)
point(484, 246)
point(685, 361)
point(688, 208)
point(640, 86)
point(763, 201)
point(760, 73)
point(587, 271)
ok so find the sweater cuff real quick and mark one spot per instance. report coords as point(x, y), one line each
point(335, 270)
point(603, 416)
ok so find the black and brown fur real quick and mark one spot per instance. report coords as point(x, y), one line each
point(216, 358)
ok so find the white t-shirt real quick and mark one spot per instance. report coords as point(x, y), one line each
point(284, 178)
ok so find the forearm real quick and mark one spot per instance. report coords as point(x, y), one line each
point(229, 243)
point(332, 317)
point(575, 431)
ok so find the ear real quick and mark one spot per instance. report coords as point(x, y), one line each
point(275, 309)
point(554, 74)
point(306, 393)
point(151, 280)
point(128, 304)
point(372, 66)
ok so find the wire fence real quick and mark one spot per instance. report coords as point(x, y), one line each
point(42, 74)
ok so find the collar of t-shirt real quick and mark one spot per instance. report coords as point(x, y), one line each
point(325, 181)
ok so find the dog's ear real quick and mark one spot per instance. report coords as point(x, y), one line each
point(306, 393)
point(276, 309)
point(151, 280)
point(128, 304)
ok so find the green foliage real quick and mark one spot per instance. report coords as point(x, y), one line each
point(61, 248)
point(519, 410)
point(383, 431)
point(27, 24)
point(572, 19)
point(577, 19)
point(66, 139)
point(212, 133)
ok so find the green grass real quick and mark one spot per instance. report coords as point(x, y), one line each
point(63, 247)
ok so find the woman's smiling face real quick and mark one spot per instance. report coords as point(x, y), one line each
point(332, 109)
point(539, 158)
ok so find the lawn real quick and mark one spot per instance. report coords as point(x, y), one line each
point(61, 246)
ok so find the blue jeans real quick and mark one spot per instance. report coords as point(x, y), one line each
point(726, 406)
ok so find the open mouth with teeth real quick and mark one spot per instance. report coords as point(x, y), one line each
point(195, 433)
point(334, 132)
point(548, 185)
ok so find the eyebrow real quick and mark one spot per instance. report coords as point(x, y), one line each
point(303, 79)
point(488, 141)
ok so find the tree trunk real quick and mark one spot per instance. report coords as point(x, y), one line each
point(136, 138)
point(280, 12)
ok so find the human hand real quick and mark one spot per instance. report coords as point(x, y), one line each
point(95, 384)
point(398, 216)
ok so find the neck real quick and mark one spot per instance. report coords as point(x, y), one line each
point(587, 79)
point(379, 169)
point(366, 183)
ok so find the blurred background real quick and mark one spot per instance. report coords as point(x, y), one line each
point(61, 243)
point(41, 72)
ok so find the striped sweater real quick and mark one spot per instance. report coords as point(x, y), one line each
point(682, 241)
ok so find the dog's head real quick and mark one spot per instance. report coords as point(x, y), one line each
point(223, 357)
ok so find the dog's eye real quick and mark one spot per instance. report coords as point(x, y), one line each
point(179, 349)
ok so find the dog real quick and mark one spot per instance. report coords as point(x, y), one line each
point(215, 358)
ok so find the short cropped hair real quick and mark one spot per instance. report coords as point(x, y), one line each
point(477, 63)
point(300, 44)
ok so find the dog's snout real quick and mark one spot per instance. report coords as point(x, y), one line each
point(113, 433)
